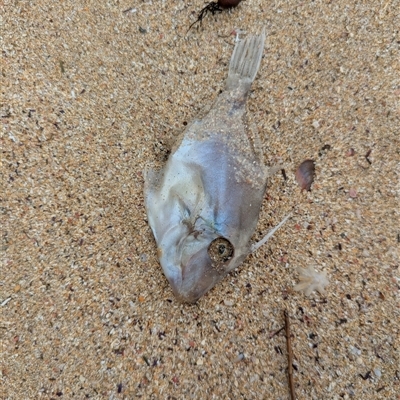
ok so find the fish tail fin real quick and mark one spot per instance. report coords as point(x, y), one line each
point(246, 59)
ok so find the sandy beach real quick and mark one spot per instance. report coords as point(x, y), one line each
point(92, 94)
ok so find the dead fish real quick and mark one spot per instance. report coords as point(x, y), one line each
point(203, 206)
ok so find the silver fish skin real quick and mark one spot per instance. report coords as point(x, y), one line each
point(203, 206)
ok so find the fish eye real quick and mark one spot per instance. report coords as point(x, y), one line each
point(220, 251)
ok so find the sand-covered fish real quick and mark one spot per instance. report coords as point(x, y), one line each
point(203, 206)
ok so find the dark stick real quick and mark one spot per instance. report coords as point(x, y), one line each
point(276, 332)
point(367, 155)
point(290, 355)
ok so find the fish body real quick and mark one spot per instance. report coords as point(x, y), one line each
point(203, 207)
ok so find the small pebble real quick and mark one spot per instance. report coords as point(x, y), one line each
point(305, 174)
point(353, 193)
point(240, 357)
point(355, 351)
point(377, 372)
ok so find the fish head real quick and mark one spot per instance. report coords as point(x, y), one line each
point(202, 215)
point(195, 260)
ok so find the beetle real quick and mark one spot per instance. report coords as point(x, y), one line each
point(215, 7)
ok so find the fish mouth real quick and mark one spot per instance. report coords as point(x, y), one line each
point(203, 270)
point(195, 262)
point(197, 277)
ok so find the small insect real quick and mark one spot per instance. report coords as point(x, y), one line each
point(203, 206)
point(119, 388)
point(215, 7)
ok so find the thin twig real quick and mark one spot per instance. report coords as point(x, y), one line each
point(367, 156)
point(130, 9)
point(276, 332)
point(290, 355)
